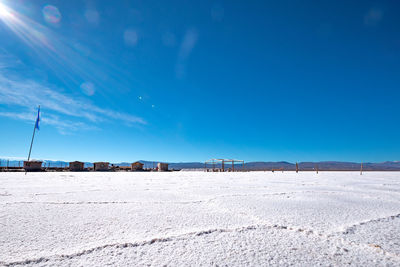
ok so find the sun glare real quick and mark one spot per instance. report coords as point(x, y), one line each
point(4, 11)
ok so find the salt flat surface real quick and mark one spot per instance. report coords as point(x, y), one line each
point(197, 218)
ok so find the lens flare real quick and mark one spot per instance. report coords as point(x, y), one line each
point(92, 16)
point(130, 37)
point(51, 14)
point(88, 88)
point(70, 61)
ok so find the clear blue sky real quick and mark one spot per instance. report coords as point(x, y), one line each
point(192, 80)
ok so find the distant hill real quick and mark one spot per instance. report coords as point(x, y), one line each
point(255, 166)
point(262, 165)
point(337, 165)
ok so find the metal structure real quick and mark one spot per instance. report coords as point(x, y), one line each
point(216, 162)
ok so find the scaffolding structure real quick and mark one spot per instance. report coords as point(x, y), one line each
point(222, 162)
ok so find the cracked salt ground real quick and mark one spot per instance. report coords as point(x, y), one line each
point(380, 233)
point(239, 247)
point(196, 218)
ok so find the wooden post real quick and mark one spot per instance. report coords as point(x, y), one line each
point(233, 166)
point(297, 167)
point(361, 169)
point(223, 166)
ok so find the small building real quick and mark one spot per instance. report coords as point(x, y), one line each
point(137, 166)
point(123, 168)
point(162, 167)
point(101, 166)
point(76, 166)
point(33, 166)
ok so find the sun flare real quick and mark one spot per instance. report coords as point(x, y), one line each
point(4, 11)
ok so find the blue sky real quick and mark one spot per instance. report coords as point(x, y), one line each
point(193, 80)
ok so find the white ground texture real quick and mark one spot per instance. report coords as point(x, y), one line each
point(200, 219)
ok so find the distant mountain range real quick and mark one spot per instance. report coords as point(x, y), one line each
point(255, 166)
point(309, 166)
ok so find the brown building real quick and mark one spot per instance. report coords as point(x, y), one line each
point(33, 166)
point(123, 168)
point(100, 166)
point(162, 167)
point(137, 166)
point(76, 166)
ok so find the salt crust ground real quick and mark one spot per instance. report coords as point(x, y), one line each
point(196, 218)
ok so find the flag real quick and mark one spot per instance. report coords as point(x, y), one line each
point(37, 119)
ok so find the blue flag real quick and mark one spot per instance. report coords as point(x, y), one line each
point(37, 119)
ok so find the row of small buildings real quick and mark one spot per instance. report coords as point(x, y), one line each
point(36, 165)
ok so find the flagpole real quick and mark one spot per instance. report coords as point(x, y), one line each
point(33, 136)
point(30, 149)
